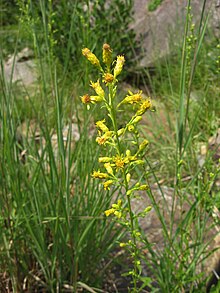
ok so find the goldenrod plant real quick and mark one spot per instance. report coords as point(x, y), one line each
point(125, 146)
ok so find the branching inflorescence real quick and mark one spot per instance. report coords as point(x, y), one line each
point(126, 148)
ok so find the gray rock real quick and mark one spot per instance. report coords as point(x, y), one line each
point(21, 68)
point(164, 27)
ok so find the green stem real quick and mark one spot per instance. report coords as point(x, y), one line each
point(134, 254)
point(112, 113)
point(134, 276)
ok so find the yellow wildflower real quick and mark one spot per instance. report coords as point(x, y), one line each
point(119, 162)
point(144, 106)
point(108, 168)
point(108, 78)
point(118, 214)
point(101, 140)
point(86, 99)
point(117, 205)
point(107, 54)
point(119, 65)
point(109, 212)
point(101, 125)
point(107, 184)
point(119, 202)
point(91, 57)
point(98, 89)
point(132, 98)
point(122, 244)
point(99, 175)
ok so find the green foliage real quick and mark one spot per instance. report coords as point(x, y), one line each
point(72, 25)
point(51, 209)
point(152, 6)
point(8, 12)
point(83, 23)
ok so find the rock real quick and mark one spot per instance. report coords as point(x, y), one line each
point(163, 28)
point(214, 146)
point(21, 68)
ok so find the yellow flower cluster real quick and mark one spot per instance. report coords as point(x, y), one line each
point(132, 98)
point(104, 133)
point(99, 175)
point(126, 148)
point(116, 210)
point(117, 168)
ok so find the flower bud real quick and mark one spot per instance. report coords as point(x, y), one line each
point(119, 65)
point(108, 168)
point(98, 89)
point(120, 131)
point(128, 153)
point(143, 145)
point(96, 99)
point(128, 177)
point(109, 212)
point(107, 184)
point(143, 187)
point(118, 214)
point(99, 175)
point(147, 209)
point(101, 125)
point(91, 57)
point(104, 160)
point(136, 119)
point(130, 128)
point(107, 54)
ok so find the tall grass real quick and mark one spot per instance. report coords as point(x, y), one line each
point(53, 231)
point(54, 234)
point(180, 266)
